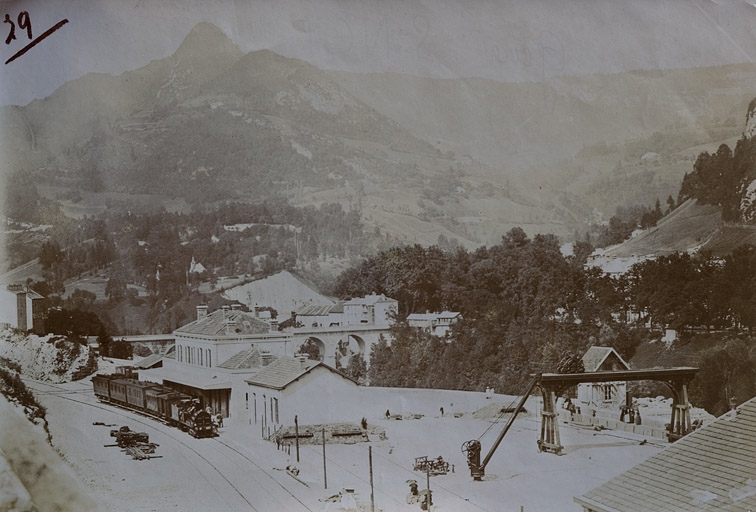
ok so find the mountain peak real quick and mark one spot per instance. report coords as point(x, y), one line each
point(206, 40)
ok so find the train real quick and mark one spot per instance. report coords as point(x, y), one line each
point(163, 403)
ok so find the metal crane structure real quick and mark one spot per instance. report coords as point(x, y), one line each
point(472, 448)
point(552, 384)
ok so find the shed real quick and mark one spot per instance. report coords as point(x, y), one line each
point(604, 394)
point(297, 386)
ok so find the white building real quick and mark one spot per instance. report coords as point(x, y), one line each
point(438, 324)
point(216, 352)
point(317, 315)
point(297, 386)
point(377, 310)
point(597, 395)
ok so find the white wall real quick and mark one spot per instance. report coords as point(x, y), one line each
point(9, 308)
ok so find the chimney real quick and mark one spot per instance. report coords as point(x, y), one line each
point(201, 311)
point(236, 306)
point(266, 358)
point(302, 361)
point(230, 325)
point(225, 309)
point(733, 412)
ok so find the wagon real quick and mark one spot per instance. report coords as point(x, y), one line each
point(437, 466)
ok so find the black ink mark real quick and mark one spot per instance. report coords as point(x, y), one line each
point(25, 22)
point(12, 34)
point(34, 43)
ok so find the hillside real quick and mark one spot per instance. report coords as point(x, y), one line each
point(715, 211)
point(690, 226)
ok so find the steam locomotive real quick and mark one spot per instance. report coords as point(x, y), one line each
point(161, 402)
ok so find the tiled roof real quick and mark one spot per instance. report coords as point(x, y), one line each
point(368, 300)
point(595, 356)
point(148, 361)
point(245, 359)
point(711, 469)
point(320, 309)
point(285, 370)
point(433, 316)
point(214, 324)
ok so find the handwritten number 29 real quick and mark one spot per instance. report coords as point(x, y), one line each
point(24, 22)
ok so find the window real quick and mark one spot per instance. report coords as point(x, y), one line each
point(209, 359)
point(608, 392)
point(246, 401)
point(201, 363)
point(276, 416)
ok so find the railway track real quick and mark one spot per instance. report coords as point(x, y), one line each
point(149, 421)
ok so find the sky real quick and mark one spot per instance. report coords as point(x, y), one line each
point(506, 40)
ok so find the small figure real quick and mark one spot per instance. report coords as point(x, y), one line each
point(364, 423)
point(442, 412)
point(220, 420)
point(388, 414)
point(293, 470)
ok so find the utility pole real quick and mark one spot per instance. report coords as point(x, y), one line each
point(372, 491)
point(325, 478)
point(427, 487)
point(296, 435)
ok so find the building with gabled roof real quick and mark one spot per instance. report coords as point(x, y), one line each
point(598, 395)
point(438, 324)
point(603, 359)
point(321, 315)
point(296, 387)
point(711, 469)
point(373, 309)
point(215, 353)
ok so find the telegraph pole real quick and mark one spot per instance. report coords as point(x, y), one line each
point(296, 435)
point(372, 491)
point(325, 478)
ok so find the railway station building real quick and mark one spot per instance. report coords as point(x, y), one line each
point(216, 352)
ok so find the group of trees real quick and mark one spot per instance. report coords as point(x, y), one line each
point(626, 220)
point(719, 178)
point(523, 306)
point(526, 308)
point(155, 250)
point(685, 291)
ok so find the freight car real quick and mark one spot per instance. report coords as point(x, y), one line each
point(161, 402)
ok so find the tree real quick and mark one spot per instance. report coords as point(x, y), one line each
point(311, 348)
point(726, 372)
point(105, 341)
point(115, 289)
point(570, 363)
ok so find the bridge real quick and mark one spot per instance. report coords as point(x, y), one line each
point(552, 385)
point(341, 340)
point(157, 343)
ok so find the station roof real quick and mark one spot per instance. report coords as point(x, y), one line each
point(711, 469)
point(224, 322)
point(285, 370)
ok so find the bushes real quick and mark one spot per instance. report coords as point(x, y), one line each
point(14, 388)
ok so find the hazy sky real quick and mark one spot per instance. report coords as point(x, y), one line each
point(531, 40)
